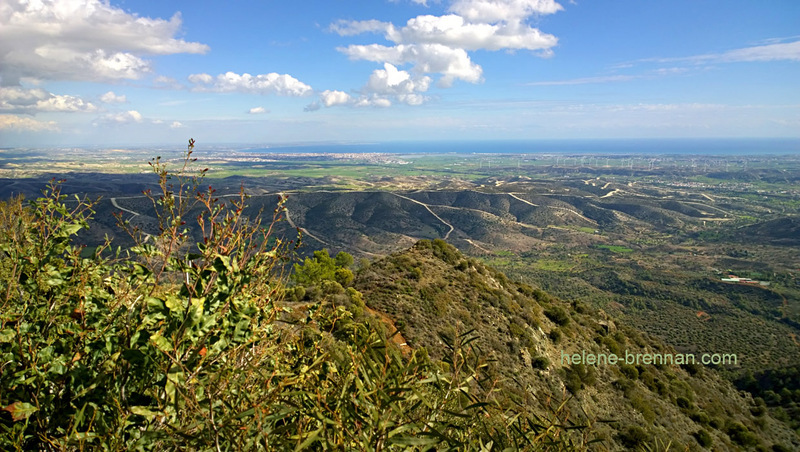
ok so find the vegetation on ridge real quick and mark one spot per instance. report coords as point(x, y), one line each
point(433, 292)
point(167, 346)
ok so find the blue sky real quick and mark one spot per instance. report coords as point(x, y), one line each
point(93, 72)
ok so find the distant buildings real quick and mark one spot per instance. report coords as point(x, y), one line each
point(736, 279)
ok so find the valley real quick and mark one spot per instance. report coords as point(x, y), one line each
point(700, 252)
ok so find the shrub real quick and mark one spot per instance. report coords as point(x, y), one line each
point(540, 362)
point(104, 349)
point(700, 417)
point(633, 437)
point(557, 314)
point(343, 260)
point(629, 371)
point(740, 435)
point(164, 347)
point(572, 381)
point(624, 384)
point(684, 403)
point(703, 438)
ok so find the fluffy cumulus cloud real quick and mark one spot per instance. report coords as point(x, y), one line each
point(330, 98)
point(489, 11)
point(441, 44)
point(22, 124)
point(15, 99)
point(112, 98)
point(372, 101)
point(82, 40)
point(124, 117)
point(383, 84)
point(333, 98)
point(455, 31)
point(229, 82)
point(176, 125)
point(257, 111)
point(391, 80)
point(452, 63)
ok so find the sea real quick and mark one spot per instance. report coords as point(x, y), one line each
point(706, 147)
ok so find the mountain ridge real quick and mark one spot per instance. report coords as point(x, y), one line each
point(434, 294)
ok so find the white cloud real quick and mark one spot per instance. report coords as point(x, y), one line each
point(772, 52)
point(20, 100)
point(175, 125)
point(330, 98)
point(427, 58)
point(776, 50)
point(125, 117)
point(455, 31)
point(112, 98)
point(440, 44)
point(272, 83)
point(781, 51)
point(65, 104)
point(18, 124)
point(165, 82)
point(82, 40)
point(390, 80)
point(257, 110)
point(412, 99)
point(313, 106)
point(372, 101)
point(356, 27)
point(205, 79)
point(490, 11)
point(418, 2)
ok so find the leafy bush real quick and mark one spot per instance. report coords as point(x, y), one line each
point(684, 403)
point(557, 314)
point(703, 438)
point(173, 346)
point(323, 267)
point(540, 362)
point(629, 371)
point(740, 435)
point(633, 437)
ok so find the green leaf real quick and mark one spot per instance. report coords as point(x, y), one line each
point(175, 380)
point(7, 335)
point(310, 440)
point(20, 410)
point(414, 441)
point(144, 411)
point(174, 304)
point(73, 228)
point(161, 343)
point(155, 304)
point(241, 331)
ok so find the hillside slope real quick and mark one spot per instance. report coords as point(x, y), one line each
point(434, 294)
